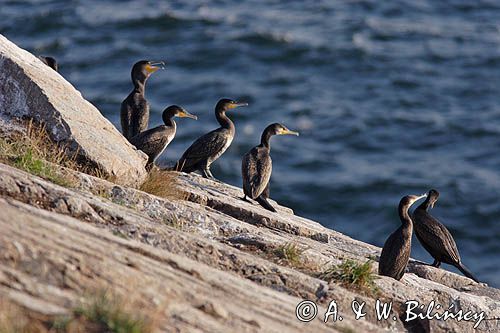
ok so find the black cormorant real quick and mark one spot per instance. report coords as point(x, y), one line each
point(435, 238)
point(134, 111)
point(256, 166)
point(396, 252)
point(49, 61)
point(154, 141)
point(209, 147)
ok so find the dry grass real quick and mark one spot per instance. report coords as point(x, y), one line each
point(163, 184)
point(37, 154)
point(102, 312)
point(352, 274)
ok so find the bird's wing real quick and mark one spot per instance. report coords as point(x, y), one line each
point(435, 237)
point(206, 145)
point(391, 257)
point(125, 118)
point(256, 170)
point(151, 142)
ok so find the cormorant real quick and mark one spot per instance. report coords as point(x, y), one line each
point(209, 147)
point(154, 141)
point(134, 113)
point(436, 238)
point(49, 61)
point(256, 166)
point(396, 252)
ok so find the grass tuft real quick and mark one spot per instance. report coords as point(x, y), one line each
point(163, 184)
point(290, 252)
point(352, 274)
point(108, 313)
point(103, 312)
point(37, 154)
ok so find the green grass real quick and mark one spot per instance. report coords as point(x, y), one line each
point(102, 312)
point(290, 252)
point(105, 313)
point(351, 273)
point(30, 162)
point(35, 153)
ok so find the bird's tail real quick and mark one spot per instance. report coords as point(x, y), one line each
point(466, 271)
point(264, 203)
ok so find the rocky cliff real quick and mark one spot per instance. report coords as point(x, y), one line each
point(190, 254)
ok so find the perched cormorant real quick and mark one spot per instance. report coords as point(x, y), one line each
point(256, 166)
point(49, 61)
point(397, 247)
point(154, 141)
point(209, 147)
point(134, 113)
point(435, 238)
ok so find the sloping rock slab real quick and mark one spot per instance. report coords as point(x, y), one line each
point(30, 89)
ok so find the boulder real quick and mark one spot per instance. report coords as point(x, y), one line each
point(29, 89)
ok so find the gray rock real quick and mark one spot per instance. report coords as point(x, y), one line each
point(30, 89)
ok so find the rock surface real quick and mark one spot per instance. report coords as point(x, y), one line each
point(30, 89)
point(210, 257)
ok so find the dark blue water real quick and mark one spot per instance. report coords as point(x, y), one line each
point(390, 97)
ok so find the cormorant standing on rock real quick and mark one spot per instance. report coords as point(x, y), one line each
point(436, 238)
point(134, 113)
point(396, 252)
point(209, 147)
point(154, 141)
point(256, 166)
point(49, 61)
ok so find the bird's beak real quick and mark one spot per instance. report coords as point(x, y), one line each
point(289, 132)
point(237, 105)
point(418, 197)
point(154, 66)
point(185, 114)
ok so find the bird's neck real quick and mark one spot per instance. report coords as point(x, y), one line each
point(224, 121)
point(404, 216)
point(425, 205)
point(139, 86)
point(169, 122)
point(265, 139)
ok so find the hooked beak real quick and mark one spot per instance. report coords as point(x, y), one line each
point(237, 105)
point(289, 132)
point(185, 114)
point(154, 66)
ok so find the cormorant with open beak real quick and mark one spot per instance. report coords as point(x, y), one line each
point(209, 147)
point(154, 141)
point(134, 112)
point(256, 166)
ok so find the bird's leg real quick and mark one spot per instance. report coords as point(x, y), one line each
point(205, 171)
point(436, 263)
point(245, 199)
point(210, 174)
